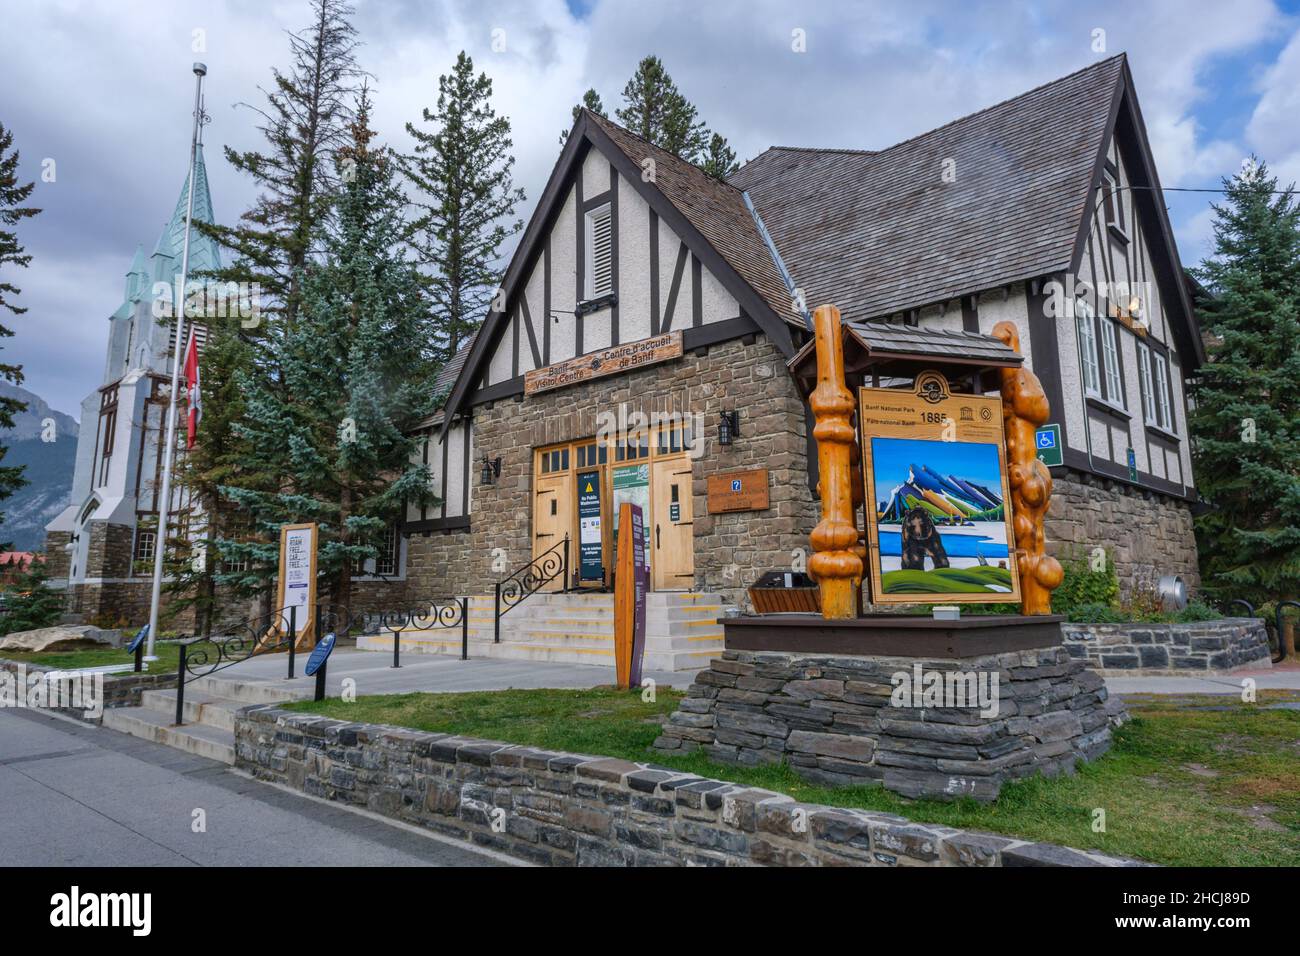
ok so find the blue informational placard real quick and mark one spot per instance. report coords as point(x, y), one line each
point(140, 635)
point(320, 654)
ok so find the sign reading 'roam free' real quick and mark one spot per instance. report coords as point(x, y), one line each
point(611, 361)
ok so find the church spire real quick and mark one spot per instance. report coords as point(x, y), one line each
point(204, 252)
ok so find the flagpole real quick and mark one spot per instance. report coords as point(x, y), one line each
point(169, 450)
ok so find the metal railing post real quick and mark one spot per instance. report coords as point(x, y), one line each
point(566, 564)
point(139, 657)
point(464, 629)
point(293, 637)
point(180, 687)
point(496, 621)
point(320, 682)
point(397, 647)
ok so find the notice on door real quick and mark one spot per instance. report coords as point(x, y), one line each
point(590, 552)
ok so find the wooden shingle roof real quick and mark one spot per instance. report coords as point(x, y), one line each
point(876, 233)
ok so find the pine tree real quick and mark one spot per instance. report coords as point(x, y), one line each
point(1246, 419)
point(29, 603)
point(305, 120)
point(590, 101)
point(462, 168)
point(12, 195)
point(655, 110)
point(354, 380)
point(720, 160)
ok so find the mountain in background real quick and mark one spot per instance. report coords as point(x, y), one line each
point(49, 468)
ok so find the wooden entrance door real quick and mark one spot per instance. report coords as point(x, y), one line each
point(672, 537)
point(553, 519)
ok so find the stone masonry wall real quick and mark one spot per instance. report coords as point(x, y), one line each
point(120, 690)
point(836, 722)
point(731, 550)
point(1203, 646)
point(560, 809)
point(1146, 534)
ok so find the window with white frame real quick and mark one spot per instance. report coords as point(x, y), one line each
point(1163, 416)
point(1114, 206)
point(1148, 386)
point(600, 252)
point(1110, 363)
point(386, 562)
point(1087, 347)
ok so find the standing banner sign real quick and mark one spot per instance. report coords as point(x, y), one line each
point(591, 563)
point(297, 584)
point(631, 584)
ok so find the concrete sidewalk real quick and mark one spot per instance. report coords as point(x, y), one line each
point(1280, 677)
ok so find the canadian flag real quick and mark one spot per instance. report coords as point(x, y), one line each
point(194, 395)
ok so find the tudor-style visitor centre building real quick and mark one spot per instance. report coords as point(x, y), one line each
point(651, 313)
point(645, 351)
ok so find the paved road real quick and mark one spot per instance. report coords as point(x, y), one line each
point(82, 796)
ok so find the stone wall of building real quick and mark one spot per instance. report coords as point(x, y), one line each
point(561, 809)
point(731, 550)
point(1146, 534)
point(58, 562)
point(1202, 646)
point(837, 721)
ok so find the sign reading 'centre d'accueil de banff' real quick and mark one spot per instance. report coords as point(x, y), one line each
point(590, 546)
point(619, 358)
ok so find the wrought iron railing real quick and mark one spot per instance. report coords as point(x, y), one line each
point(520, 585)
point(238, 641)
point(455, 614)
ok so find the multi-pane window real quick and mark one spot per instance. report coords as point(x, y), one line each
point(555, 460)
point(600, 252)
point(593, 454)
point(1148, 387)
point(145, 542)
point(1114, 205)
point(1087, 347)
point(1110, 363)
point(1163, 416)
point(632, 447)
point(386, 561)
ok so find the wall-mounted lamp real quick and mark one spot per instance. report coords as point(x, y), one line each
point(491, 470)
point(728, 427)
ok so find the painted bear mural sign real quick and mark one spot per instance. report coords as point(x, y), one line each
point(938, 512)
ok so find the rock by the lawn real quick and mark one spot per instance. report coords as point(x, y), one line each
point(61, 637)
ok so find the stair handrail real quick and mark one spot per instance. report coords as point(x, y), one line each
point(268, 633)
point(448, 615)
point(521, 584)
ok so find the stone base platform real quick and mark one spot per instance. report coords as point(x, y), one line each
point(918, 726)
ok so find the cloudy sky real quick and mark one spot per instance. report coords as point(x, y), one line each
point(104, 90)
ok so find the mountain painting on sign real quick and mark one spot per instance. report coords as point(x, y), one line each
point(941, 518)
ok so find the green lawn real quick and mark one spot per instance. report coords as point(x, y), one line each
point(168, 657)
point(1196, 781)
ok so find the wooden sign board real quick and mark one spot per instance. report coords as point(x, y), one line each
point(611, 361)
point(296, 587)
point(738, 491)
point(938, 502)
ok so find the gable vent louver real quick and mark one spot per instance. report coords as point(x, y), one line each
point(601, 233)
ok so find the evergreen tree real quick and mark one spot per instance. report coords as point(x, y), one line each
point(720, 160)
point(12, 195)
point(353, 381)
point(305, 120)
point(590, 101)
point(29, 604)
point(1246, 420)
point(462, 168)
point(655, 110)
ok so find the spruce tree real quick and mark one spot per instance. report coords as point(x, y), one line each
point(655, 110)
point(12, 196)
point(353, 379)
point(30, 604)
point(305, 121)
point(1246, 419)
point(590, 101)
point(461, 168)
point(720, 160)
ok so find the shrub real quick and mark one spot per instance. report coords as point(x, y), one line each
point(1085, 586)
point(1196, 611)
point(1097, 614)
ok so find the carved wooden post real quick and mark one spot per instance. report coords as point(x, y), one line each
point(836, 563)
point(1024, 410)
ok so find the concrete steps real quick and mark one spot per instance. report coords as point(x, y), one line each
point(208, 713)
point(682, 630)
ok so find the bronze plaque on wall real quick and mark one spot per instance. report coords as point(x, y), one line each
point(738, 491)
point(619, 358)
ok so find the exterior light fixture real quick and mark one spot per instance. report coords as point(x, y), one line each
point(728, 427)
point(491, 470)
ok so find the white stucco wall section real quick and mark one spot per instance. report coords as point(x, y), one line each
point(633, 264)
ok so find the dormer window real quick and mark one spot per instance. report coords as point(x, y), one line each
point(600, 252)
